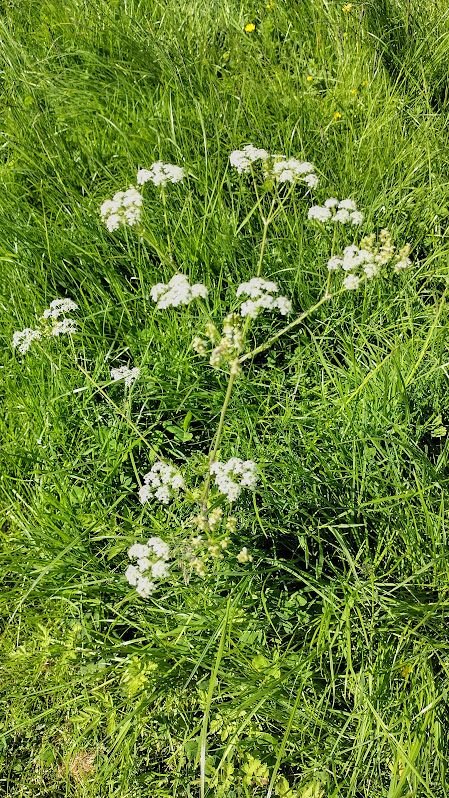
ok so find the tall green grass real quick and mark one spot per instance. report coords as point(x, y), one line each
point(327, 658)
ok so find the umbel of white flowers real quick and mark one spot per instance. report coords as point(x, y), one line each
point(234, 475)
point(262, 295)
point(125, 208)
point(162, 482)
point(178, 291)
point(368, 260)
point(334, 210)
point(150, 557)
point(50, 324)
point(275, 167)
point(129, 375)
point(160, 174)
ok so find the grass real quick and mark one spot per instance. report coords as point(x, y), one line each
point(325, 662)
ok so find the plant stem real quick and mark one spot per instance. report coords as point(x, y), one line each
point(263, 347)
point(217, 437)
point(167, 229)
point(234, 370)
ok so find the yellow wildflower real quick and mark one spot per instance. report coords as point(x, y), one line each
point(337, 115)
point(250, 27)
point(347, 7)
point(309, 78)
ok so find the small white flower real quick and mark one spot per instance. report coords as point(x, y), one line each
point(342, 215)
point(319, 214)
point(132, 574)
point(257, 287)
point(283, 305)
point(125, 373)
point(177, 291)
point(143, 564)
point(160, 174)
point(351, 282)
point(145, 587)
point(159, 547)
point(244, 158)
point(405, 263)
point(64, 327)
point(371, 269)
point(162, 482)
point(58, 307)
point(334, 263)
point(331, 203)
point(160, 569)
point(125, 208)
point(357, 217)
point(311, 180)
point(137, 551)
point(23, 339)
point(347, 205)
point(234, 475)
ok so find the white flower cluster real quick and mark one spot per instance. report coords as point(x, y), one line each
point(150, 557)
point(262, 295)
point(290, 170)
point(22, 339)
point(243, 159)
point(58, 307)
point(277, 167)
point(125, 373)
point(177, 292)
point(335, 210)
point(233, 476)
point(64, 327)
point(160, 174)
point(368, 259)
point(162, 482)
point(125, 208)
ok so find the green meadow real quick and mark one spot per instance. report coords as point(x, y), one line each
point(315, 664)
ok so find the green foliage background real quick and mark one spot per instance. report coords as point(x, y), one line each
point(328, 657)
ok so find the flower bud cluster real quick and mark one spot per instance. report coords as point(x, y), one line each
point(262, 295)
point(160, 174)
point(177, 291)
point(125, 373)
point(212, 542)
point(227, 347)
point(334, 210)
point(50, 324)
point(234, 475)
point(150, 557)
point(368, 260)
point(201, 551)
point(163, 482)
point(125, 208)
